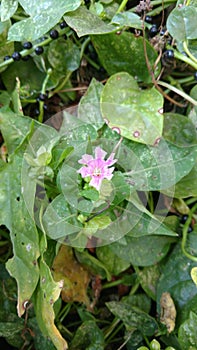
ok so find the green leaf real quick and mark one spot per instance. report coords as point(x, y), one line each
point(15, 129)
point(181, 23)
point(134, 112)
point(84, 23)
point(43, 16)
point(179, 130)
point(64, 56)
point(40, 341)
point(156, 247)
point(176, 280)
point(160, 167)
point(127, 19)
point(75, 130)
point(94, 265)
point(139, 300)
point(8, 329)
point(88, 336)
point(89, 106)
point(15, 216)
point(133, 318)
point(59, 221)
point(114, 264)
point(151, 168)
point(148, 278)
point(187, 186)
point(125, 52)
point(44, 298)
point(194, 275)
point(187, 333)
point(30, 78)
point(6, 48)
point(8, 8)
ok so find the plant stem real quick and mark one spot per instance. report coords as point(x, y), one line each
point(183, 58)
point(31, 51)
point(177, 91)
point(188, 52)
point(122, 6)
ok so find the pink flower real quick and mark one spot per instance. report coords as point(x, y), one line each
point(97, 168)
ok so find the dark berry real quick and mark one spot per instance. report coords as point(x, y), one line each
point(169, 54)
point(54, 34)
point(153, 30)
point(162, 31)
point(27, 45)
point(7, 58)
point(39, 50)
point(190, 229)
point(183, 219)
point(148, 19)
point(63, 25)
point(42, 97)
point(16, 56)
point(45, 107)
point(195, 76)
point(26, 58)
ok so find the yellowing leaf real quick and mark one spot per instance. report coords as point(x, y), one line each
point(194, 275)
point(76, 278)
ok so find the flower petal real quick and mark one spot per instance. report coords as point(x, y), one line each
point(86, 158)
point(99, 153)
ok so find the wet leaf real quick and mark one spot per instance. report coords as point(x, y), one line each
point(15, 129)
point(44, 298)
point(43, 16)
point(88, 336)
point(14, 214)
point(89, 110)
point(114, 264)
point(148, 278)
point(30, 78)
point(76, 278)
point(8, 8)
point(6, 48)
point(64, 56)
point(118, 53)
point(94, 265)
point(40, 341)
point(85, 22)
point(133, 318)
point(133, 249)
point(127, 19)
point(134, 112)
point(59, 220)
point(176, 280)
point(181, 23)
point(187, 333)
point(179, 130)
point(187, 186)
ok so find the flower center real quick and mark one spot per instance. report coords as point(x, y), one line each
point(97, 172)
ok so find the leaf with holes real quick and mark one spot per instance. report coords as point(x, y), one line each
point(24, 236)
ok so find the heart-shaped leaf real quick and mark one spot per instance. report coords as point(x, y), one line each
point(131, 111)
